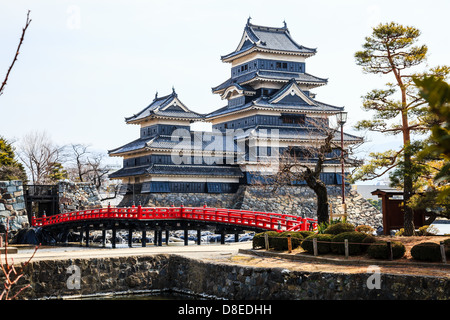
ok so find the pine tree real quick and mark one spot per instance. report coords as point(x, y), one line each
point(392, 50)
point(10, 168)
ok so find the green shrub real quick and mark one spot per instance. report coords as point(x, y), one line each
point(365, 229)
point(279, 242)
point(368, 240)
point(323, 243)
point(354, 238)
point(426, 251)
point(427, 231)
point(306, 233)
point(339, 228)
point(258, 239)
point(379, 250)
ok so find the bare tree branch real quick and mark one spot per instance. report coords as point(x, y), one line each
point(27, 23)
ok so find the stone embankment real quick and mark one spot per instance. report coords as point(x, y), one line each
point(162, 272)
point(295, 200)
point(12, 205)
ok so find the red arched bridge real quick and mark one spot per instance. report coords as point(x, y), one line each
point(225, 221)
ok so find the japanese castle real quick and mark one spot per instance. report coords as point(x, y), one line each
point(269, 107)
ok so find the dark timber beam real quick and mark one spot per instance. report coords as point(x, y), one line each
point(160, 237)
point(103, 237)
point(87, 235)
point(130, 237)
point(199, 236)
point(114, 235)
point(144, 238)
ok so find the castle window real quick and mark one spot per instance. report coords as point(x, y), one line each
point(281, 65)
point(300, 119)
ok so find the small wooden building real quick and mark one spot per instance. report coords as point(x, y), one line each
point(392, 208)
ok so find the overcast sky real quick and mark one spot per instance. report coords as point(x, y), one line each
point(85, 65)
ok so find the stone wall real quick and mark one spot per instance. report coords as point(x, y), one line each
point(72, 196)
point(301, 201)
point(51, 279)
point(77, 196)
point(295, 200)
point(12, 205)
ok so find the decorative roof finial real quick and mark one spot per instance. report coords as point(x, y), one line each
point(248, 20)
point(173, 89)
point(156, 95)
point(285, 25)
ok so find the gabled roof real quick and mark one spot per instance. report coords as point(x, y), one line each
point(263, 38)
point(167, 106)
point(295, 133)
point(290, 98)
point(179, 170)
point(270, 76)
point(291, 89)
point(182, 140)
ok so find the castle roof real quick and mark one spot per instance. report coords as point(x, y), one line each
point(290, 98)
point(168, 106)
point(179, 170)
point(271, 76)
point(269, 39)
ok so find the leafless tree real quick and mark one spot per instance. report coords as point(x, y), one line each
point(27, 23)
point(11, 273)
point(84, 165)
point(39, 155)
point(306, 163)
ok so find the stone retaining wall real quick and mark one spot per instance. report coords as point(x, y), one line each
point(77, 196)
point(172, 272)
point(295, 200)
point(12, 205)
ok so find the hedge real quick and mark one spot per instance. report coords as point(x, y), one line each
point(339, 227)
point(427, 251)
point(258, 239)
point(280, 241)
point(277, 241)
point(323, 243)
point(355, 240)
point(379, 250)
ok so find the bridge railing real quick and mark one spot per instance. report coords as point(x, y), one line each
point(263, 220)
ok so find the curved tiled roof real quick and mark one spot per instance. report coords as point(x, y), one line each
point(268, 38)
point(160, 107)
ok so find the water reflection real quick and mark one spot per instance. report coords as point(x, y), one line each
point(146, 296)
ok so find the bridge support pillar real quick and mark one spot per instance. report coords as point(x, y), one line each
point(144, 238)
point(114, 236)
point(222, 237)
point(160, 238)
point(155, 238)
point(236, 237)
point(130, 237)
point(104, 237)
point(199, 236)
point(186, 237)
point(87, 235)
point(167, 237)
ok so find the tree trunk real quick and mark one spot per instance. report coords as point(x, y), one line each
point(408, 223)
point(321, 192)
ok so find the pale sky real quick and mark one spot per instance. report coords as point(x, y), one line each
point(86, 65)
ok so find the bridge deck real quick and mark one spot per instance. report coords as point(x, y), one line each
point(170, 218)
